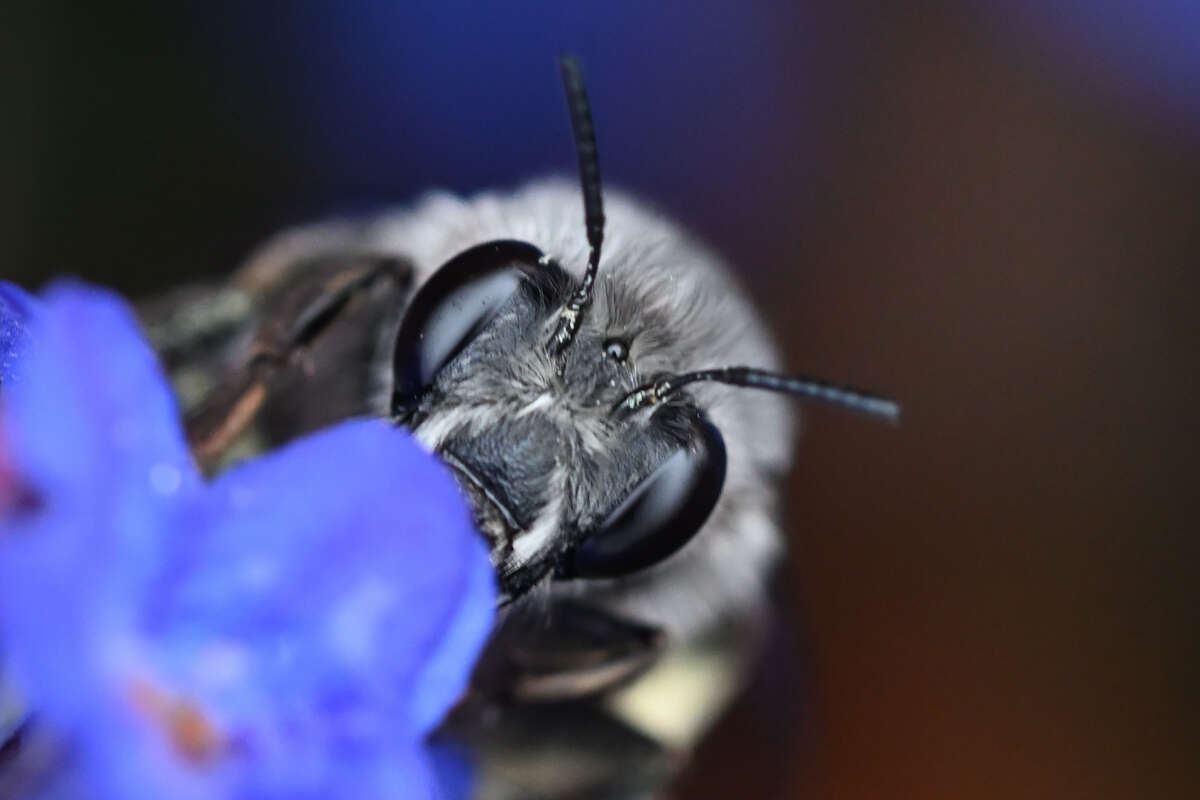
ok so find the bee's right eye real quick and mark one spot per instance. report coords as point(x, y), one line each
point(659, 516)
point(451, 309)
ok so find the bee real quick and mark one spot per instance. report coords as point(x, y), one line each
point(605, 395)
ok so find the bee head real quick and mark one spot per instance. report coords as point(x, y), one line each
point(581, 452)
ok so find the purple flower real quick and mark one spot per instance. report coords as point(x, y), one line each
point(294, 629)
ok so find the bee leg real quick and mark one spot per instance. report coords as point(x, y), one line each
point(326, 319)
point(564, 651)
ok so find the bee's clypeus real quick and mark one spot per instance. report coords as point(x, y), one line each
point(597, 390)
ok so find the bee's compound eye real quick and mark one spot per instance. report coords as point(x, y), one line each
point(659, 516)
point(452, 308)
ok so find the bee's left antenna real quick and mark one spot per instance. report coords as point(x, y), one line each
point(593, 205)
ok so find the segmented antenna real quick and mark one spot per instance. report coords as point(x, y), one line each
point(846, 397)
point(593, 206)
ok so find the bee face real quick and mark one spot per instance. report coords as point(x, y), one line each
point(563, 486)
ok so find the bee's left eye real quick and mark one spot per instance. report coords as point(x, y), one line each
point(453, 307)
point(659, 516)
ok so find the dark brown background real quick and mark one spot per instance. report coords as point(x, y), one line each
point(995, 599)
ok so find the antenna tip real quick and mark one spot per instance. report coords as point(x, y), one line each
point(889, 410)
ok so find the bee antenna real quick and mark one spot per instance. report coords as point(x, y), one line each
point(593, 206)
point(846, 397)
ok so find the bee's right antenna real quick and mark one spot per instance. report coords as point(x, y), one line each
point(593, 206)
point(851, 399)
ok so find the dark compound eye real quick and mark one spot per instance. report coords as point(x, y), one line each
point(617, 350)
point(454, 306)
point(658, 517)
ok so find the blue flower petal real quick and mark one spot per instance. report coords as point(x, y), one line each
point(319, 609)
point(405, 770)
point(443, 674)
point(96, 401)
point(92, 429)
point(310, 608)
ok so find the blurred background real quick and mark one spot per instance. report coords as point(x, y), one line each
point(987, 209)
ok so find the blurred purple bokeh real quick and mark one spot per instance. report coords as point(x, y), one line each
point(1143, 55)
